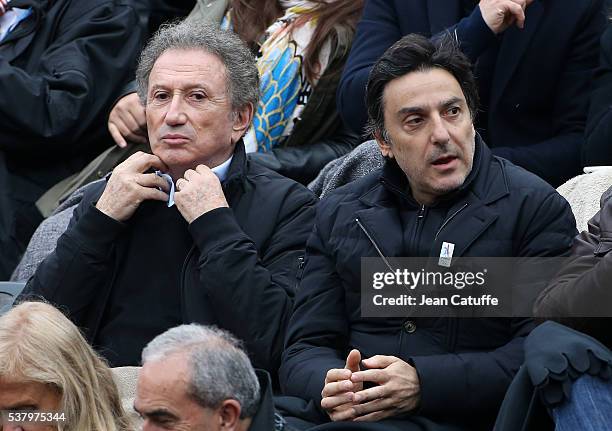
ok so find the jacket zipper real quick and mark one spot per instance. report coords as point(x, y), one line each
point(374, 244)
point(416, 232)
point(300, 271)
point(449, 219)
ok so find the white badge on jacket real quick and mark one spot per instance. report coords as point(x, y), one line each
point(446, 254)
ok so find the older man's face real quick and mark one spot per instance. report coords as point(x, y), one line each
point(163, 402)
point(430, 132)
point(189, 113)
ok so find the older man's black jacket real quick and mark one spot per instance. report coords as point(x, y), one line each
point(240, 273)
point(61, 70)
point(464, 365)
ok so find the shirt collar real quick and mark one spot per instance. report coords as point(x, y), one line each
point(221, 170)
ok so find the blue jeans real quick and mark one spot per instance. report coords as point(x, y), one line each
point(589, 407)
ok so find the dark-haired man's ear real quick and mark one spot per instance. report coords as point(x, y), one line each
point(385, 147)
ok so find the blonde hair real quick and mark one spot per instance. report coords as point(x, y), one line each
point(39, 344)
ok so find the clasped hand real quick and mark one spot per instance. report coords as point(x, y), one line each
point(198, 191)
point(397, 389)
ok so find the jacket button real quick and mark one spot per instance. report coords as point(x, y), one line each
point(409, 326)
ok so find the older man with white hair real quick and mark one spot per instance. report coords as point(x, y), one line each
point(193, 232)
point(198, 378)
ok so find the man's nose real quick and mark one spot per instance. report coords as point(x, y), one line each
point(439, 133)
point(176, 113)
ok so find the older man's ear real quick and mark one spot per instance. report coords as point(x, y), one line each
point(242, 121)
point(228, 415)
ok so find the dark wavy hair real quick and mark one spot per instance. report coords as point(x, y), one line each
point(416, 53)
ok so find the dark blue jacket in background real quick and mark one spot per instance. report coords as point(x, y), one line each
point(464, 365)
point(540, 89)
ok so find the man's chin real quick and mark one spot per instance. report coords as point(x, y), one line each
point(176, 167)
point(449, 185)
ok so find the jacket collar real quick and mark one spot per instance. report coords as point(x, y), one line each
point(234, 183)
point(468, 215)
point(264, 418)
point(32, 23)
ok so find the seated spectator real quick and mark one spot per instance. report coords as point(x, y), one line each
point(213, 239)
point(581, 288)
point(439, 185)
point(534, 61)
point(62, 65)
point(301, 48)
point(568, 368)
point(47, 366)
point(564, 385)
point(199, 378)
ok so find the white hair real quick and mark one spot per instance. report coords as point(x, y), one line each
point(220, 369)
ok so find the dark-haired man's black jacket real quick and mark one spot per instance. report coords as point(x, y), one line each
point(60, 71)
point(464, 365)
point(239, 272)
point(534, 83)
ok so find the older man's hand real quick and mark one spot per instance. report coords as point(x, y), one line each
point(501, 14)
point(127, 121)
point(397, 392)
point(3, 7)
point(339, 390)
point(129, 186)
point(198, 192)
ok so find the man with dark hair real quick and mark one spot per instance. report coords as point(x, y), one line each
point(193, 232)
point(440, 185)
point(534, 60)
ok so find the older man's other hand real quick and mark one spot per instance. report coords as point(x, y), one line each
point(198, 192)
point(339, 390)
point(129, 186)
point(397, 392)
point(127, 121)
point(501, 14)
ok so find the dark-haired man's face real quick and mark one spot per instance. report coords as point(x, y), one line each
point(430, 132)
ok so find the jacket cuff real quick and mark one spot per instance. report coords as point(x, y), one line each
point(214, 228)
point(96, 232)
point(438, 389)
point(474, 35)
